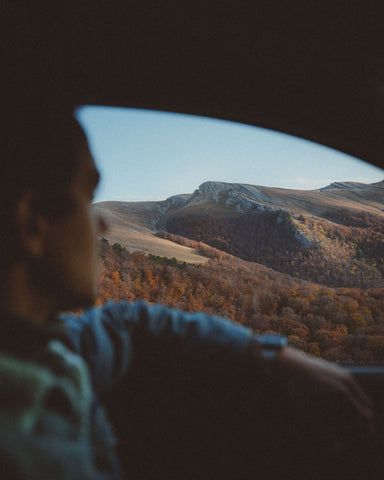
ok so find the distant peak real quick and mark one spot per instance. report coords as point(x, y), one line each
point(378, 184)
point(351, 186)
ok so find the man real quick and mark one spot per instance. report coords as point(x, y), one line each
point(52, 368)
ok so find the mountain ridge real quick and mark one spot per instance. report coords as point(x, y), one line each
point(246, 196)
point(268, 225)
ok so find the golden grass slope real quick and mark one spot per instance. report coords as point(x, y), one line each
point(132, 225)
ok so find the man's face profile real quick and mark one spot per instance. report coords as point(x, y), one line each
point(49, 239)
point(71, 246)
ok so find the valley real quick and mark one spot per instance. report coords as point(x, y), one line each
point(305, 264)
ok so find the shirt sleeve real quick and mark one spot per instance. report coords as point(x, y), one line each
point(112, 337)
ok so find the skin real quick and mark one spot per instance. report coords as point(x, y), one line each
point(325, 395)
point(57, 266)
point(71, 248)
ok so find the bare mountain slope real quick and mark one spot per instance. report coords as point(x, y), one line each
point(333, 235)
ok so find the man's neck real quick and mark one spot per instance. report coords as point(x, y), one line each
point(20, 297)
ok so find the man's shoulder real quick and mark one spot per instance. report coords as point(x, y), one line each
point(54, 382)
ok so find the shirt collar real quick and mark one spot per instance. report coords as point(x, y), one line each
point(23, 338)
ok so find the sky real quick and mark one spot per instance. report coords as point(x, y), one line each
point(146, 155)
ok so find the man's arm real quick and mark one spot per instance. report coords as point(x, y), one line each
point(325, 395)
point(111, 338)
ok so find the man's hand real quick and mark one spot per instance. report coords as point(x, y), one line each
point(326, 395)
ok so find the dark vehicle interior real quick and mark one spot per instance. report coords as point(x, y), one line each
point(310, 69)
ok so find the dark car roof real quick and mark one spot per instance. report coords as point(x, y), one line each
point(312, 69)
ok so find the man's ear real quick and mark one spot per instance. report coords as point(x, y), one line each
point(31, 224)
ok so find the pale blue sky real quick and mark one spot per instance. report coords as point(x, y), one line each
point(146, 155)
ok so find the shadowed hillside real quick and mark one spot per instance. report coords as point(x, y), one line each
point(310, 248)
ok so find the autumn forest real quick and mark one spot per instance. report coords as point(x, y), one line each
point(344, 324)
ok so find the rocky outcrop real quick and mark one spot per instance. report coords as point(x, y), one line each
point(239, 196)
point(177, 201)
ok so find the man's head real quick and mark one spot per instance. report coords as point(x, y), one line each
point(49, 228)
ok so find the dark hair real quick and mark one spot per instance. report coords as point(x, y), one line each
point(40, 149)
